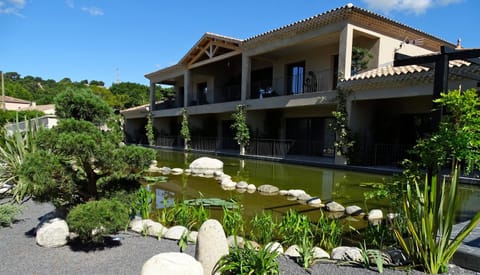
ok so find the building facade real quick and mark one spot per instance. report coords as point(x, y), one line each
point(289, 80)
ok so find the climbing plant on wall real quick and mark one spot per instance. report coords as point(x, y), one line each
point(185, 130)
point(242, 133)
point(149, 130)
point(344, 141)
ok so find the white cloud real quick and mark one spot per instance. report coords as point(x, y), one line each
point(12, 7)
point(408, 6)
point(94, 11)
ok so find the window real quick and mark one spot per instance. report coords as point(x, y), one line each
point(295, 77)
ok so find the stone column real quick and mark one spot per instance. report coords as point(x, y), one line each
point(345, 52)
point(187, 83)
point(246, 70)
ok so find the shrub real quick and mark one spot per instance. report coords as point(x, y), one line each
point(95, 219)
point(8, 213)
point(249, 261)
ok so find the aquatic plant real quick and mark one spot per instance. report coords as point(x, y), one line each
point(233, 221)
point(294, 227)
point(263, 227)
point(143, 202)
point(328, 232)
point(249, 261)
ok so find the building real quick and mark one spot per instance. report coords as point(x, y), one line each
point(290, 77)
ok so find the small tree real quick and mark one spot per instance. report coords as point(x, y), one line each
point(77, 162)
point(82, 104)
point(185, 131)
point(360, 59)
point(242, 133)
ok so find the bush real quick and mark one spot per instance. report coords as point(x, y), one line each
point(95, 219)
point(8, 213)
point(294, 227)
point(263, 228)
point(249, 261)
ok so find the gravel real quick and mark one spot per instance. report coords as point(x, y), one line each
point(19, 254)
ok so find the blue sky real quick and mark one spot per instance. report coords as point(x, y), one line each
point(83, 39)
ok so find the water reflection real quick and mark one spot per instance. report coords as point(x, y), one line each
point(345, 187)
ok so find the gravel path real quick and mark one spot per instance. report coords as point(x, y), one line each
point(19, 253)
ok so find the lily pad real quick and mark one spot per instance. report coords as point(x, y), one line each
point(155, 179)
point(213, 202)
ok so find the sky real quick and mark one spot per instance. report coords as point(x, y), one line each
point(108, 40)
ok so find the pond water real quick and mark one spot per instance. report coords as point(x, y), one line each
point(345, 187)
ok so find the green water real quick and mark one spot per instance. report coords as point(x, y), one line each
point(345, 187)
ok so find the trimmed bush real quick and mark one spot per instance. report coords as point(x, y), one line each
point(8, 213)
point(95, 219)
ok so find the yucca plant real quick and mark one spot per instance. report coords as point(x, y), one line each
point(13, 149)
point(429, 224)
point(430, 208)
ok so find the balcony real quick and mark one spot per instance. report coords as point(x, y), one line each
point(311, 82)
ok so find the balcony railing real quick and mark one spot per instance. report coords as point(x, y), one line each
point(278, 148)
point(312, 81)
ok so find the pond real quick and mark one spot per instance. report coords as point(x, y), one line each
point(345, 187)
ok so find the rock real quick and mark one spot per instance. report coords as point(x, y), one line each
point(228, 184)
point(373, 254)
point(315, 202)
point(253, 244)
point(268, 189)
point(391, 216)
point(206, 165)
point(304, 198)
point(165, 170)
point(242, 185)
point(397, 257)
point(4, 190)
point(177, 171)
point(347, 253)
point(172, 263)
point(192, 236)
point(211, 245)
point(375, 216)
point(283, 192)
point(334, 206)
point(233, 241)
point(224, 177)
point(187, 171)
point(148, 226)
point(52, 233)
point(292, 251)
point(175, 232)
point(251, 188)
point(241, 191)
point(274, 246)
point(296, 192)
point(319, 253)
point(218, 173)
point(353, 210)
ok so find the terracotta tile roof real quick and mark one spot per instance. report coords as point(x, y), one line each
point(334, 15)
point(390, 75)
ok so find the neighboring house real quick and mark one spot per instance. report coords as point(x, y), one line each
point(288, 79)
point(49, 120)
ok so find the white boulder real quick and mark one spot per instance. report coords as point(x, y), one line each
point(172, 263)
point(211, 245)
point(52, 233)
point(206, 166)
point(347, 253)
point(175, 232)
